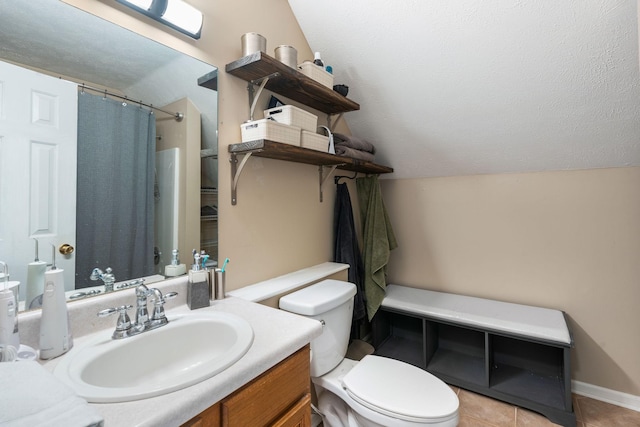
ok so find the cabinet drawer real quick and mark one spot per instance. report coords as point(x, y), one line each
point(270, 395)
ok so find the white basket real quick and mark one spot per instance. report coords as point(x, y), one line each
point(317, 73)
point(273, 131)
point(293, 116)
point(314, 141)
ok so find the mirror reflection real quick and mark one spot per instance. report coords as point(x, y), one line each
point(108, 150)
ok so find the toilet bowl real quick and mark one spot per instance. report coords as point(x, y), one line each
point(376, 391)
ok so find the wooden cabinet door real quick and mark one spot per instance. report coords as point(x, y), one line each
point(298, 416)
point(279, 397)
point(264, 400)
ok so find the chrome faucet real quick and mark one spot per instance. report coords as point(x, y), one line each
point(107, 277)
point(142, 313)
point(143, 323)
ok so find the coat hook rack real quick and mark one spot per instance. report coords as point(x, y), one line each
point(337, 179)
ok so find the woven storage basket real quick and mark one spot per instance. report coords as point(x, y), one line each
point(273, 131)
point(317, 73)
point(314, 141)
point(293, 116)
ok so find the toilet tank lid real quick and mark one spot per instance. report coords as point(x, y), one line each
point(318, 298)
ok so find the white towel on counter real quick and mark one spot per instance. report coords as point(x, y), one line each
point(31, 396)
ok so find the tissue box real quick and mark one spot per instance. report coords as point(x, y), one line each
point(314, 141)
point(273, 131)
point(293, 116)
point(317, 73)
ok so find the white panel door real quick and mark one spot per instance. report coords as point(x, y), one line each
point(38, 136)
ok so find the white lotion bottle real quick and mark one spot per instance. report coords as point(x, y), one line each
point(55, 332)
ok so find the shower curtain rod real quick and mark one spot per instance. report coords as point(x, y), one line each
point(177, 116)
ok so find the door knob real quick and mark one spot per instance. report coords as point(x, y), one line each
point(66, 249)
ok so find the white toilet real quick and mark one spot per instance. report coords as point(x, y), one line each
point(376, 391)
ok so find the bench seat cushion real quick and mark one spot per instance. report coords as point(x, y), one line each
point(513, 319)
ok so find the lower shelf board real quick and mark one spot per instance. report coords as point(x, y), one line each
point(545, 390)
point(453, 364)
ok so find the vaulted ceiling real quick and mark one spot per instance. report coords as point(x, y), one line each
point(475, 87)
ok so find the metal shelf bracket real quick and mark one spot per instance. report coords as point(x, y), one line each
point(254, 95)
point(323, 178)
point(236, 170)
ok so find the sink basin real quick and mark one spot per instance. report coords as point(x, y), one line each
point(190, 349)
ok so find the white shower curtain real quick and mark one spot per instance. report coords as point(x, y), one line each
point(114, 214)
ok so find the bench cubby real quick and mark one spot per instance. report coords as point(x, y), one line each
point(514, 353)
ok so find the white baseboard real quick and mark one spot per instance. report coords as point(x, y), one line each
point(618, 398)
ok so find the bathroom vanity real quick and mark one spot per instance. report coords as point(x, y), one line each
point(268, 385)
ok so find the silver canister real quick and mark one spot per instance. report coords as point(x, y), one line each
point(219, 283)
point(252, 43)
point(288, 55)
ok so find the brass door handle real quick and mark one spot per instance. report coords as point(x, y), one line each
point(66, 249)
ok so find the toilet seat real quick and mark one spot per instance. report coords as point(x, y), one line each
point(398, 390)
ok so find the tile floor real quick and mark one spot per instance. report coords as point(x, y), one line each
point(481, 411)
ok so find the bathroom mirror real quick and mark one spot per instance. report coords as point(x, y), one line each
point(58, 40)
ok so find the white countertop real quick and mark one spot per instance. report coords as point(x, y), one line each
point(286, 283)
point(277, 334)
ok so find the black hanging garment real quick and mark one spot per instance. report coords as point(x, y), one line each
point(346, 251)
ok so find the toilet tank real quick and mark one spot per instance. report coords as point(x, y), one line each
point(331, 302)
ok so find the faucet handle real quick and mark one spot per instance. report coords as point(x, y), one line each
point(165, 297)
point(123, 324)
point(158, 317)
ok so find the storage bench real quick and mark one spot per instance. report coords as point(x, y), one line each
point(516, 353)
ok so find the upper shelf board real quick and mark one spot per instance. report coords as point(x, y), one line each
point(291, 83)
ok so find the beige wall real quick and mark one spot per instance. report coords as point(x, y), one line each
point(567, 240)
point(278, 225)
point(564, 240)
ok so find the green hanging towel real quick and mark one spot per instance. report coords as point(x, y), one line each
point(378, 239)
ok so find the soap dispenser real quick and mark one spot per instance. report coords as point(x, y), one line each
point(198, 295)
point(175, 269)
point(55, 332)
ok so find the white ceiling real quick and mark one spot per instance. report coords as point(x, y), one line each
point(62, 40)
point(45, 34)
point(451, 87)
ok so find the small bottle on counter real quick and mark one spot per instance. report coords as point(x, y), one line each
point(317, 60)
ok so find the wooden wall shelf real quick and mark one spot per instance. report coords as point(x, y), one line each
point(291, 153)
point(290, 83)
